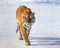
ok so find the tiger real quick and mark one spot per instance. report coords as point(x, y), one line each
point(25, 19)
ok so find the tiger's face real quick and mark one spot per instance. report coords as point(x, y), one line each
point(28, 19)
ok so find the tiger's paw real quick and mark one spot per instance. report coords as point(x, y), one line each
point(20, 38)
point(27, 43)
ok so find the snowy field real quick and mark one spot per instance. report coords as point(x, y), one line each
point(45, 32)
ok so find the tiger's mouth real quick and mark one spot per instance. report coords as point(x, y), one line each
point(27, 27)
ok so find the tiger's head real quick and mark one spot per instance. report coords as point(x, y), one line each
point(28, 18)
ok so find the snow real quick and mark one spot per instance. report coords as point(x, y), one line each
point(45, 32)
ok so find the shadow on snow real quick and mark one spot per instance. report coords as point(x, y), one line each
point(35, 41)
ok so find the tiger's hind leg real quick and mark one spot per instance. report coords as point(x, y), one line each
point(20, 36)
point(19, 32)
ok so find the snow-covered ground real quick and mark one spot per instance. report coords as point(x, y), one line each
point(45, 32)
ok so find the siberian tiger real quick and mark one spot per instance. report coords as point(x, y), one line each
point(25, 18)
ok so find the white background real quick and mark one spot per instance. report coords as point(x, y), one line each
point(45, 32)
point(15, 1)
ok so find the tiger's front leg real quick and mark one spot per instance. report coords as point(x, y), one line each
point(20, 36)
point(28, 31)
point(25, 36)
point(19, 32)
